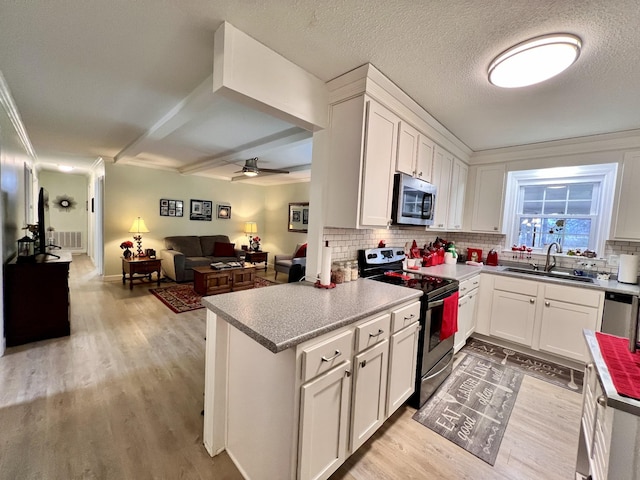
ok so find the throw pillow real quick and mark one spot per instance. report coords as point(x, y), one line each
point(224, 249)
point(301, 252)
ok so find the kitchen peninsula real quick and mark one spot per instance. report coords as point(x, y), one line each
point(297, 377)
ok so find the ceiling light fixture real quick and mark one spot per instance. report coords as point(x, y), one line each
point(65, 168)
point(535, 60)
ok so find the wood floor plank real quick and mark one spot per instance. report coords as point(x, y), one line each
point(121, 399)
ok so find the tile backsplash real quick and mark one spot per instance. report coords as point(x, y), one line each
point(346, 242)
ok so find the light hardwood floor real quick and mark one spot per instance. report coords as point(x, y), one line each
point(121, 399)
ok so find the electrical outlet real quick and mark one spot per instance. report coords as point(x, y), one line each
point(613, 260)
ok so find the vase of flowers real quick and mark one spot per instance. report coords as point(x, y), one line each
point(255, 243)
point(126, 246)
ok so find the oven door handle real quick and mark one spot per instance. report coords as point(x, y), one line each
point(439, 371)
point(435, 304)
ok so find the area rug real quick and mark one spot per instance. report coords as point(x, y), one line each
point(183, 298)
point(559, 375)
point(473, 405)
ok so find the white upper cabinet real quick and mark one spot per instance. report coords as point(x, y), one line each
point(407, 149)
point(415, 153)
point(488, 199)
point(627, 224)
point(360, 160)
point(379, 156)
point(442, 168)
point(456, 194)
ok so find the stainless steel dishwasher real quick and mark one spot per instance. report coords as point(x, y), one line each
point(620, 316)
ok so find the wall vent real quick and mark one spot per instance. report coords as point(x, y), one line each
point(68, 240)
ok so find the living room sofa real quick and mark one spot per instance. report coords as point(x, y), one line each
point(182, 253)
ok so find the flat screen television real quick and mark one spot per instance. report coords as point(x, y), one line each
point(43, 222)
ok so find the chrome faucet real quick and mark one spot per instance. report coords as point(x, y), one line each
point(547, 266)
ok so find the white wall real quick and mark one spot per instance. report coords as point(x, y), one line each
point(134, 191)
point(60, 184)
point(278, 198)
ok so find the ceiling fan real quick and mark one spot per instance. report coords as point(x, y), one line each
point(251, 169)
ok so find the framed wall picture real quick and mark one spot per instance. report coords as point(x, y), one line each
point(224, 212)
point(171, 208)
point(201, 210)
point(298, 217)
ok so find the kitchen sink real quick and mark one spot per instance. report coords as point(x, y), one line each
point(552, 274)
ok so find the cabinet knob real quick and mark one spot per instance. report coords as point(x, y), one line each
point(363, 363)
point(420, 174)
point(410, 317)
point(602, 401)
point(495, 229)
point(347, 373)
point(532, 300)
point(547, 304)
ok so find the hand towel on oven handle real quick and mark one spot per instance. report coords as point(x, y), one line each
point(449, 316)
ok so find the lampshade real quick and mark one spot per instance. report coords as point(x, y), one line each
point(250, 227)
point(534, 60)
point(138, 226)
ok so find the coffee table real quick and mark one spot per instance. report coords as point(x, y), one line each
point(209, 281)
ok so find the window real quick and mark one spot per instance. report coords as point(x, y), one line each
point(570, 206)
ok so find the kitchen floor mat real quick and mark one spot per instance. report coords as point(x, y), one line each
point(473, 405)
point(560, 375)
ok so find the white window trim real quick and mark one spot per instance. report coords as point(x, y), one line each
point(605, 173)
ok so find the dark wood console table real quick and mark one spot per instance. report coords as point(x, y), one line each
point(36, 299)
point(254, 257)
point(140, 268)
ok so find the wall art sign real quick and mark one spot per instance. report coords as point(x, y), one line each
point(201, 210)
point(224, 212)
point(171, 208)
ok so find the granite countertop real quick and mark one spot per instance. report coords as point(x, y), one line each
point(614, 400)
point(283, 316)
point(461, 272)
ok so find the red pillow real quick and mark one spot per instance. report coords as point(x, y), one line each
point(224, 249)
point(301, 252)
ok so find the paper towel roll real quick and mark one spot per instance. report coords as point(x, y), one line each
point(325, 265)
point(628, 269)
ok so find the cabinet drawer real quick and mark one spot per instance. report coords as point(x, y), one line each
point(325, 355)
point(524, 287)
point(469, 284)
point(372, 332)
point(579, 296)
point(405, 316)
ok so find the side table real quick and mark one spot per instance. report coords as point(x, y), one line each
point(140, 268)
point(256, 257)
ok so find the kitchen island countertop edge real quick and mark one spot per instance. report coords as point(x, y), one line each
point(283, 316)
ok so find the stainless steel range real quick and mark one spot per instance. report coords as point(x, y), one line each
point(435, 356)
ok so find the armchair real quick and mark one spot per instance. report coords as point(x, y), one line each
point(283, 263)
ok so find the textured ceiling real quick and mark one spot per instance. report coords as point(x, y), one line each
point(90, 78)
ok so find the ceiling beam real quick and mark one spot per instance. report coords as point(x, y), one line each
point(285, 139)
point(195, 103)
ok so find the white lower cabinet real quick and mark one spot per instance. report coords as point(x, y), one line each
point(513, 310)
point(467, 308)
point(609, 445)
point(369, 393)
point(544, 316)
point(403, 353)
point(324, 414)
point(562, 324)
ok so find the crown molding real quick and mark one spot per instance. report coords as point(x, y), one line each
point(607, 142)
point(9, 106)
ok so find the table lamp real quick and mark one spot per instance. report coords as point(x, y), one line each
point(138, 228)
point(250, 228)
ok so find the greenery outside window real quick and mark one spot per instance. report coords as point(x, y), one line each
point(570, 206)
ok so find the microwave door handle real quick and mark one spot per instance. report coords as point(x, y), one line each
point(422, 210)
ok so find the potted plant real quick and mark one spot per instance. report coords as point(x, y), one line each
point(126, 246)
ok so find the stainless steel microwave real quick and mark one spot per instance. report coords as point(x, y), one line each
point(414, 201)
